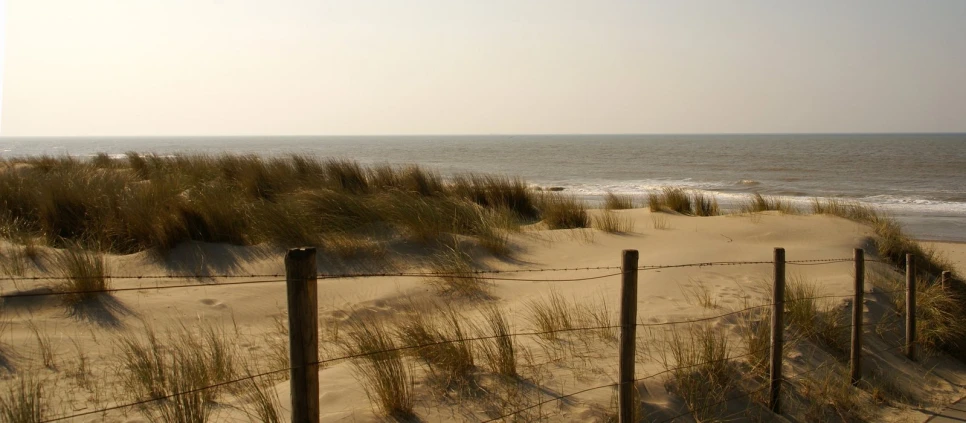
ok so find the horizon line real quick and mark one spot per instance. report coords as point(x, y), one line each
point(487, 134)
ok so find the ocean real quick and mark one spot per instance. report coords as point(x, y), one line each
point(918, 178)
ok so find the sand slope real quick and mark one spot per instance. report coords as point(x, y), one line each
point(248, 313)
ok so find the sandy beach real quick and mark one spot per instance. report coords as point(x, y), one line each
point(248, 315)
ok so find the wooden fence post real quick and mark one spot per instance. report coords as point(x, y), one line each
point(910, 348)
point(303, 329)
point(857, 309)
point(626, 391)
point(946, 279)
point(777, 328)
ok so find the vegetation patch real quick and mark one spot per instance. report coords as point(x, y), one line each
point(677, 200)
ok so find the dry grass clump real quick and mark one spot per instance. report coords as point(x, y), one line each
point(85, 275)
point(852, 210)
point(597, 314)
point(455, 274)
point(612, 222)
point(149, 202)
point(831, 397)
point(660, 222)
point(551, 315)
point(760, 203)
point(386, 378)
point(700, 293)
point(939, 316)
point(178, 366)
point(891, 242)
point(893, 245)
point(801, 306)
point(563, 211)
point(13, 261)
point(440, 336)
point(45, 348)
point(701, 370)
point(23, 402)
point(825, 324)
point(755, 332)
point(670, 199)
point(618, 202)
point(498, 192)
point(939, 313)
point(262, 402)
point(498, 353)
point(677, 200)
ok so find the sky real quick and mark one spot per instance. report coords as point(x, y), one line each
point(381, 67)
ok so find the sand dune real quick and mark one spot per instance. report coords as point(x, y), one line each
point(248, 314)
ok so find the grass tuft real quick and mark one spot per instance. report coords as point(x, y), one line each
point(702, 373)
point(677, 200)
point(760, 203)
point(85, 274)
point(448, 354)
point(184, 361)
point(385, 376)
point(455, 273)
point(755, 332)
point(498, 353)
point(612, 222)
point(551, 315)
point(23, 402)
point(618, 202)
point(563, 211)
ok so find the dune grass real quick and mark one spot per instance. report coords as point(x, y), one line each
point(262, 401)
point(560, 211)
point(183, 361)
point(454, 273)
point(85, 275)
point(759, 203)
point(701, 372)
point(618, 202)
point(23, 401)
point(45, 347)
point(677, 200)
point(612, 222)
point(448, 354)
point(891, 241)
point(940, 313)
point(385, 376)
point(755, 332)
point(551, 315)
point(149, 202)
point(499, 353)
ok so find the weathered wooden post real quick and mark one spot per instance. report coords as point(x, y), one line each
point(945, 280)
point(777, 329)
point(303, 325)
point(910, 348)
point(625, 395)
point(855, 362)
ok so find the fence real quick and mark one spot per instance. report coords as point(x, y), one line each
point(302, 276)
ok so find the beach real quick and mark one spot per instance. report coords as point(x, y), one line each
point(726, 267)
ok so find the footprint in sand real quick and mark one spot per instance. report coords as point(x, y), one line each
point(213, 303)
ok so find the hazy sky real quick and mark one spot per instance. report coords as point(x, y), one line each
point(202, 67)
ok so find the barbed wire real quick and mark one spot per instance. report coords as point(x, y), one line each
point(469, 339)
point(666, 371)
point(139, 288)
point(324, 275)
